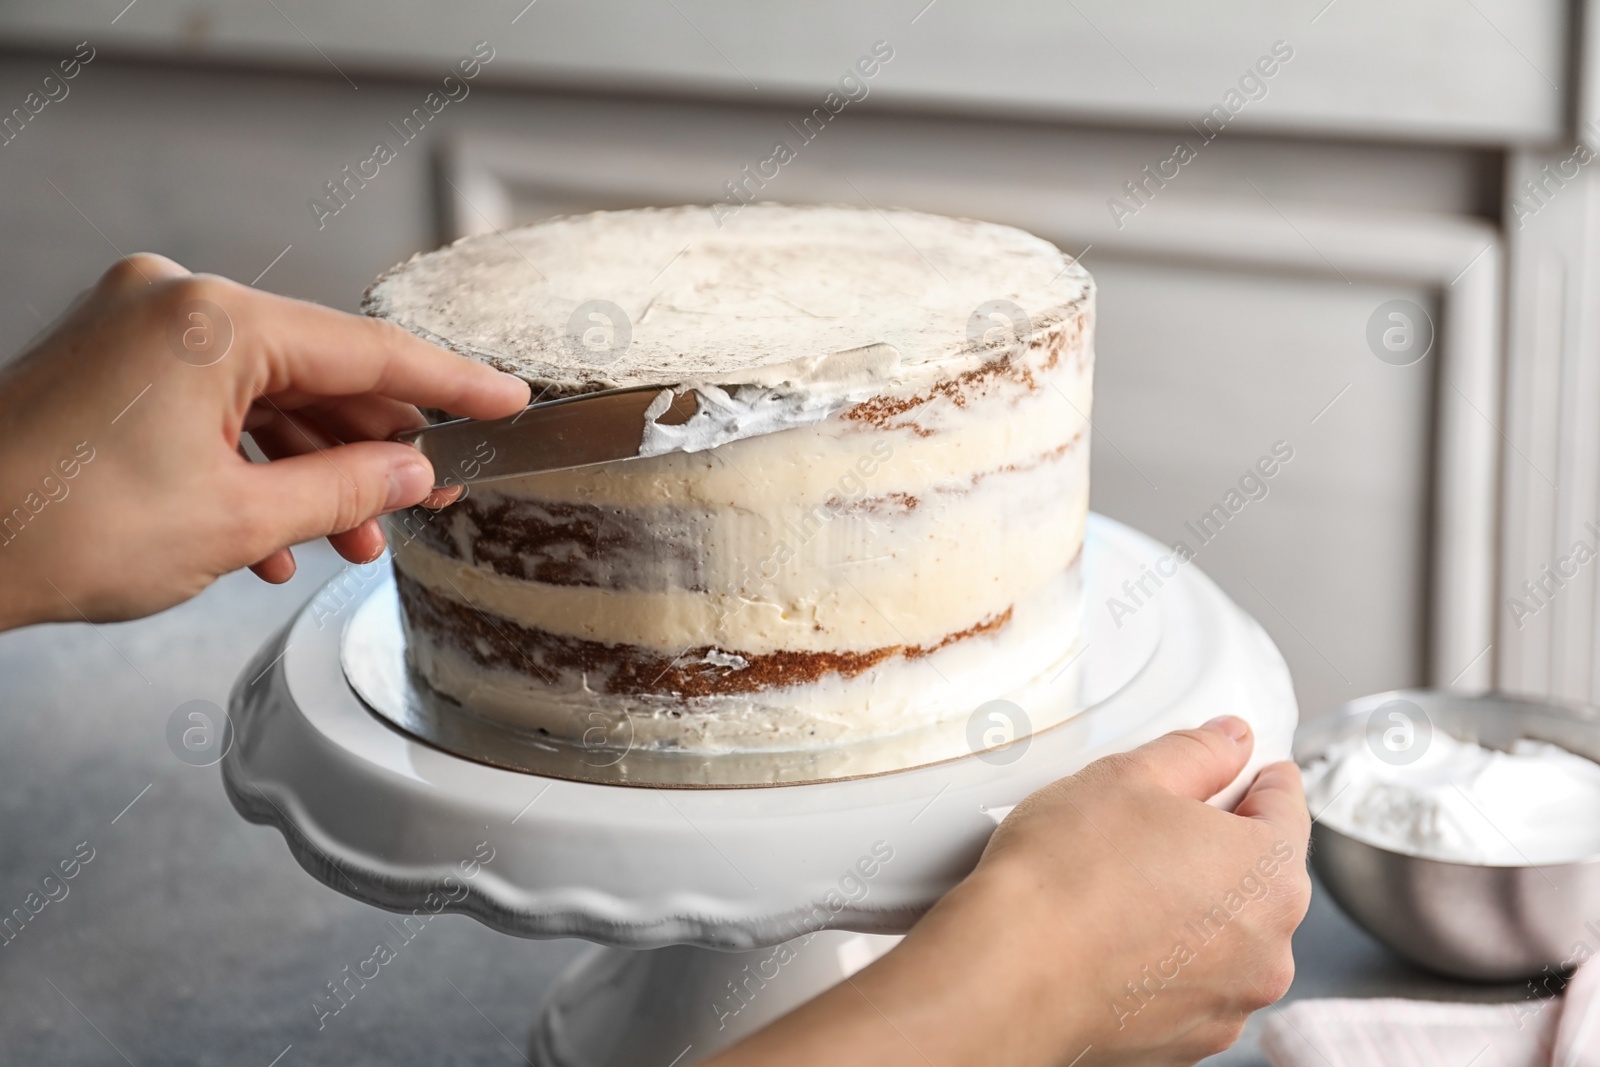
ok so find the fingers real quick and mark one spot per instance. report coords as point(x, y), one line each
point(280, 434)
point(365, 418)
point(317, 351)
point(283, 434)
point(277, 568)
point(327, 492)
point(362, 544)
point(298, 350)
point(1277, 796)
point(1197, 763)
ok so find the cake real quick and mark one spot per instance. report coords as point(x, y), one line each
point(874, 522)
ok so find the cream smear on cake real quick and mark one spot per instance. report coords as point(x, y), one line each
point(770, 399)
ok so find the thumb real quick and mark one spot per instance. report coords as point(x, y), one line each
point(1196, 763)
point(330, 491)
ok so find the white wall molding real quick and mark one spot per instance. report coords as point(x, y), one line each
point(1552, 468)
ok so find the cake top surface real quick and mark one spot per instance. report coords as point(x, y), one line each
point(775, 296)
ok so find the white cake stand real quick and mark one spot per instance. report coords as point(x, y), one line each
point(709, 900)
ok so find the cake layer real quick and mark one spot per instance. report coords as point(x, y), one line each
point(711, 700)
point(923, 439)
point(778, 579)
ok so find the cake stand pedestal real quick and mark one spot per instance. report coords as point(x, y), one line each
point(720, 909)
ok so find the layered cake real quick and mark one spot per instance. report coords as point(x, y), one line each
point(874, 520)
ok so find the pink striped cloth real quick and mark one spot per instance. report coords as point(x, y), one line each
point(1555, 1032)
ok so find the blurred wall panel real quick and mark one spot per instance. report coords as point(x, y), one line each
point(1487, 71)
point(1235, 371)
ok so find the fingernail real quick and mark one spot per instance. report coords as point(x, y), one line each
point(1231, 725)
point(512, 381)
point(410, 479)
point(439, 498)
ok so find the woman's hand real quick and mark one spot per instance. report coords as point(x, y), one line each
point(122, 487)
point(1115, 918)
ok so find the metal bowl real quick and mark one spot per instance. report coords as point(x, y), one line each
point(1459, 919)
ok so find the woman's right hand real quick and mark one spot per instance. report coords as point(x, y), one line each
point(1115, 918)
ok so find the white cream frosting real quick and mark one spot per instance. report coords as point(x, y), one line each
point(1460, 802)
point(779, 397)
point(785, 298)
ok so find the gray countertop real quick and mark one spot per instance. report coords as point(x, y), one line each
point(192, 937)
